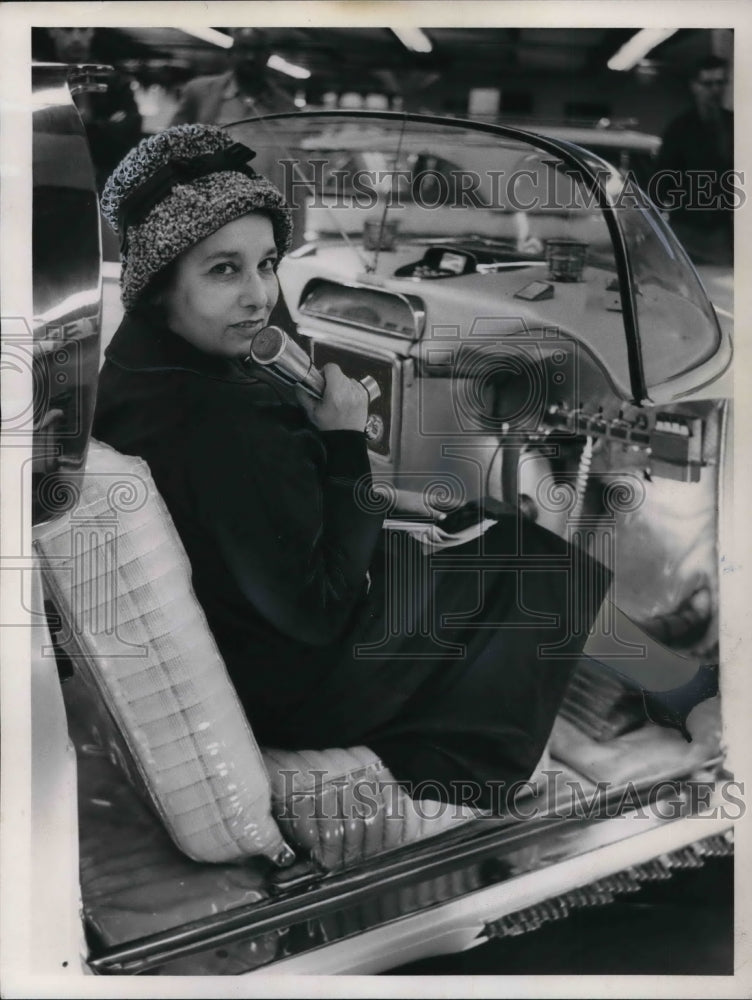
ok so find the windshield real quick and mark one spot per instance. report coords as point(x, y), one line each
point(518, 221)
point(676, 322)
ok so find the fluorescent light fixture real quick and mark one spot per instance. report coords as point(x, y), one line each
point(283, 66)
point(414, 39)
point(638, 47)
point(210, 35)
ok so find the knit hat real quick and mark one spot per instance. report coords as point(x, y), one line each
point(178, 187)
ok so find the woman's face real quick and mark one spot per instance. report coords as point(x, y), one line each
point(224, 288)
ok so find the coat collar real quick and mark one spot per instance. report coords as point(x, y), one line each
point(142, 345)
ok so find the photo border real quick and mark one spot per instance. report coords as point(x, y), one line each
point(16, 20)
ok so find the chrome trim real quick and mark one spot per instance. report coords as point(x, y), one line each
point(67, 283)
point(84, 78)
point(459, 924)
point(376, 351)
point(88, 79)
point(530, 861)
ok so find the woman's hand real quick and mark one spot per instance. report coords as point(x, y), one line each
point(433, 538)
point(344, 406)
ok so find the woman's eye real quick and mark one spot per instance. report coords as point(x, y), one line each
point(269, 264)
point(225, 267)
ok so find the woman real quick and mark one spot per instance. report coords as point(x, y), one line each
point(331, 636)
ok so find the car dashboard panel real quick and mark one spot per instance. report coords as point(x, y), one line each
point(471, 307)
point(469, 344)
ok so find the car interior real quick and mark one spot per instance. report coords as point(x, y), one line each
point(201, 852)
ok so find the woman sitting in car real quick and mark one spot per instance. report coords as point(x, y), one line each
point(450, 663)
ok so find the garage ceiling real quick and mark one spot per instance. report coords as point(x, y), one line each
point(477, 56)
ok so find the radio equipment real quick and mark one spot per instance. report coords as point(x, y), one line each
point(272, 348)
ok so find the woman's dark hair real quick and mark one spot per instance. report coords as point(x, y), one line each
point(148, 305)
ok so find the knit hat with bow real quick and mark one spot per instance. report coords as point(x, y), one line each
point(178, 187)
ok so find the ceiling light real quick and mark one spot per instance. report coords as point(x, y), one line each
point(210, 35)
point(414, 39)
point(283, 66)
point(638, 47)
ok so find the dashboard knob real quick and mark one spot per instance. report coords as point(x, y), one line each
point(374, 429)
point(372, 387)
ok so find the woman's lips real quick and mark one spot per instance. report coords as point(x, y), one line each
point(248, 324)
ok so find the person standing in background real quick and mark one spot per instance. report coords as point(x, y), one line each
point(698, 147)
point(245, 90)
point(111, 119)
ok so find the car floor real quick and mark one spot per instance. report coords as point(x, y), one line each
point(683, 926)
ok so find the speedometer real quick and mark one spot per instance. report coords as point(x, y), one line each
point(369, 308)
point(362, 314)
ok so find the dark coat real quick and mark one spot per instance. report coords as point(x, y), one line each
point(692, 142)
point(701, 153)
point(264, 503)
point(440, 665)
point(217, 100)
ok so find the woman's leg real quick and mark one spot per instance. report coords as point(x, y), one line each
point(456, 670)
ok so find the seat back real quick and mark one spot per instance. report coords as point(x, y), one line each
point(118, 575)
point(163, 704)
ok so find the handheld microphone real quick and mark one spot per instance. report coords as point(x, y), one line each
point(272, 348)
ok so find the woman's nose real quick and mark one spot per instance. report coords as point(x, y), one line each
point(253, 292)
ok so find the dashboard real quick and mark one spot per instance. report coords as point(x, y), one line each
point(419, 297)
point(468, 341)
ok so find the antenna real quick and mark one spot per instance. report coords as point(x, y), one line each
point(387, 204)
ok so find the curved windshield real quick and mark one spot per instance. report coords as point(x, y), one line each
point(677, 325)
point(514, 223)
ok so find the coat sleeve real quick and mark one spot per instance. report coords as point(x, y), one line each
point(288, 511)
point(671, 155)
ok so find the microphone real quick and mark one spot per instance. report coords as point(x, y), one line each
point(273, 349)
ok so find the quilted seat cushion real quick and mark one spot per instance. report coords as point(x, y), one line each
point(118, 574)
point(343, 806)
